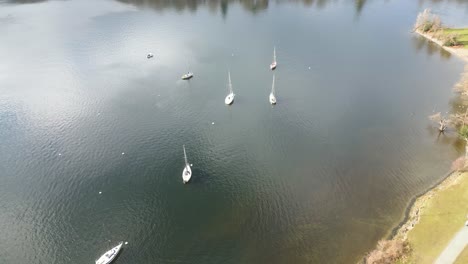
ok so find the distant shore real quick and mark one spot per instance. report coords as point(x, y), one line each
point(460, 52)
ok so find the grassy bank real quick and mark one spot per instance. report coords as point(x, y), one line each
point(433, 221)
point(454, 40)
point(463, 258)
point(461, 33)
point(441, 216)
point(460, 50)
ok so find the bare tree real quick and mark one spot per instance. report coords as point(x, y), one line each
point(387, 251)
point(427, 22)
point(422, 19)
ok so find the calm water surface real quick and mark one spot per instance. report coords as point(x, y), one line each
point(318, 178)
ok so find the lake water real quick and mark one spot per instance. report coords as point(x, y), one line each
point(318, 178)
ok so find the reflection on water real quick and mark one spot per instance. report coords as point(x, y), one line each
point(425, 2)
point(422, 44)
point(23, 1)
point(253, 6)
point(360, 5)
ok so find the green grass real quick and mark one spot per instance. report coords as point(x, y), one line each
point(463, 257)
point(462, 33)
point(442, 217)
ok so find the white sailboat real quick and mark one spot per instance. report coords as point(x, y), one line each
point(273, 64)
point(272, 94)
point(230, 97)
point(110, 255)
point(187, 173)
point(188, 75)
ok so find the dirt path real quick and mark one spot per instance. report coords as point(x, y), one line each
point(454, 248)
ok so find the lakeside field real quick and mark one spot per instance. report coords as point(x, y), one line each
point(463, 258)
point(442, 216)
point(462, 34)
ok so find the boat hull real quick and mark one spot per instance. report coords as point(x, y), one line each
point(110, 255)
point(186, 174)
point(272, 99)
point(273, 66)
point(229, 99)
point(187, 76)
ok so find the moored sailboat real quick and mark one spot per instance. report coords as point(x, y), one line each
point(274, 63)
point(187, 173)
point(187, 76)
point(230, 97)
point(110, 255)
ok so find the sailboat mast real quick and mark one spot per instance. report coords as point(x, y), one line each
point(230, 84)
point(185, 157)
point(274, 54)
point(273, 86)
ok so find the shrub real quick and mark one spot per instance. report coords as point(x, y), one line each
point(463, 132)
point(462, 85)
point(387, 251)
point(459, 164)
point(436, 24)
point(451, 40)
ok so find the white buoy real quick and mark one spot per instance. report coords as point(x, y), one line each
point(191, 165)
point(100, 192)
point(123, 153)
point(126, 242)
point(60, 154)
point(212, 123)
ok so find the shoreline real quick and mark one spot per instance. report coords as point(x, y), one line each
point(416, 205)
point(413, 209)
point(460, 52)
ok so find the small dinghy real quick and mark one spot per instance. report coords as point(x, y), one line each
point(187, 76)
point(150, 55)
point(110, 255)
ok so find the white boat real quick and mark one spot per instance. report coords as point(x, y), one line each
point(272, 94)
point(230, 97)
point(273, 64)
point(187, 173)
point(187, 76)
point(110, 255)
